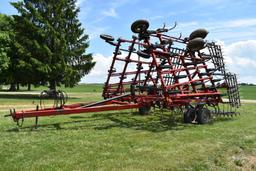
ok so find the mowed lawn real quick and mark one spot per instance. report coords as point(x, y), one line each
point(124, 140)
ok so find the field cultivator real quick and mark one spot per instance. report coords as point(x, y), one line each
point(154, 69)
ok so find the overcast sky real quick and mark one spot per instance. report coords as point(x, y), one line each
point(230, 22)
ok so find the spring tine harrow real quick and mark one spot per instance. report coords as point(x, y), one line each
point(154, 69)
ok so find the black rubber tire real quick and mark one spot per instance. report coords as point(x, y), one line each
point(107, 37)
point(204, 116)
point(202, 33)
point(196, 44)
point(143, 54)
point(139, 26)
point(189, 115)
point(144, 110)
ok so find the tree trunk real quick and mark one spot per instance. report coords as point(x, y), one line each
point(18, 86)
point(29, 87)
point(12, 87)
point(52, 85)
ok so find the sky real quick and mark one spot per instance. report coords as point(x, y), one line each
point(231, 23)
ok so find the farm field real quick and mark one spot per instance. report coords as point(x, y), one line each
point(123, 140)
point(248, 92)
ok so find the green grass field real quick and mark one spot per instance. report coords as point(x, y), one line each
point(248, 92)
point(123, 140)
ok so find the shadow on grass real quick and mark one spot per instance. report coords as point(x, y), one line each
point(19, 96)
point(224, 118)
point(24, 96)
point(156, 122)
point(55, 126)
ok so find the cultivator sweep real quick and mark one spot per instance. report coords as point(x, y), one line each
point(159, 70)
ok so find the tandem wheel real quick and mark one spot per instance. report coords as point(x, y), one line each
point(189, 115)
point(204, 116)
point(144, 110)
point(200, 116)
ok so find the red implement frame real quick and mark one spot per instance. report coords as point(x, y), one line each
point(156, 74)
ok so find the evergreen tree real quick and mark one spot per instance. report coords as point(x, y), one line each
point(5, 42)
point(51, 43)
point(7, 51)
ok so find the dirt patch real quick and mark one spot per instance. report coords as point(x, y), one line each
point(245, 162)
point(252, 161)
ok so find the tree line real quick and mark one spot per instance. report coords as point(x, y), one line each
point(45, 44)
